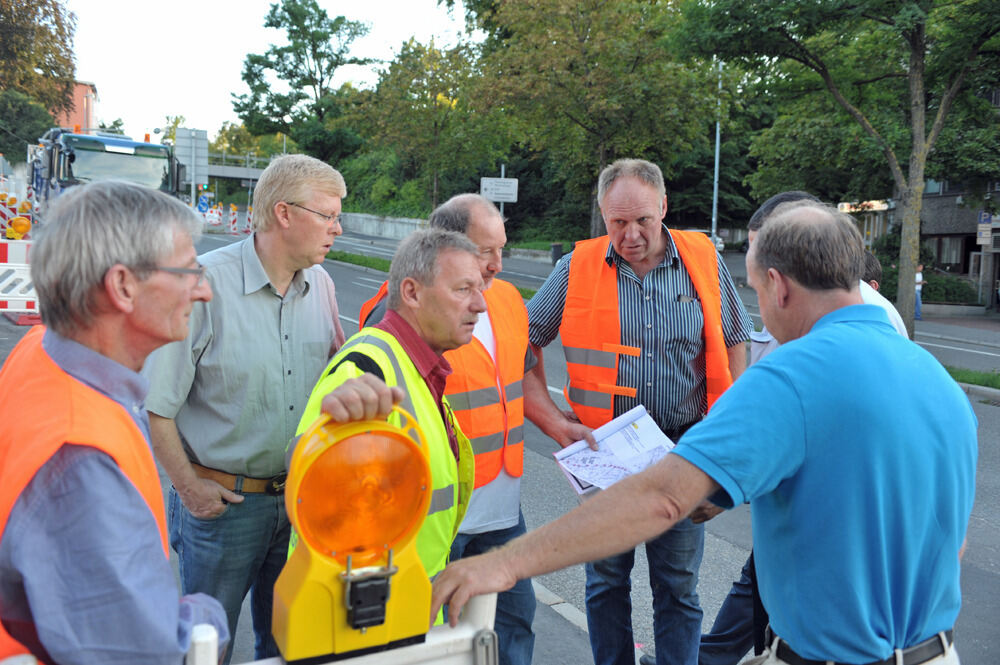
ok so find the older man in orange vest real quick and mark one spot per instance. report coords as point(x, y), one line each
point(84, 573)
point(646, 316)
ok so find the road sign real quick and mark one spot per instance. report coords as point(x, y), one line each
point(499, 189)
point(984, 233)
point(985, 216)
point(202, 203)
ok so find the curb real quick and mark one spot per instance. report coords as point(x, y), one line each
point(566, 610)
point(948, 338)
point(982, 392)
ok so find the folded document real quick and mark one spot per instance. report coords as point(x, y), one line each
point(626, 445)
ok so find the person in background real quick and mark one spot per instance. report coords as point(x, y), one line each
point(872, 274)
point(918, 304)
point(225, 401)
point(84, 570)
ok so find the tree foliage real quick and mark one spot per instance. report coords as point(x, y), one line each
point(424, 109)
point(317, 47)
point(36, 51)
point(593, 82)
point(22, 122)
point(862, 52)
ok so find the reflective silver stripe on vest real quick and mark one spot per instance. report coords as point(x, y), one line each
point(442, 498)
point(514, 390)
point(382, 345)
point(590, 398)
point(515, 435)
point(473, 399)
point(487, 443)
point(591, 357)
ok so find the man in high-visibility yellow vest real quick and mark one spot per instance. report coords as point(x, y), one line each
point(434, 300)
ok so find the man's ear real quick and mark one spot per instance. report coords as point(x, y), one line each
point(281, 214)
point(663, 208)
point(120, 288)
point(781, 286)
point(409, 292)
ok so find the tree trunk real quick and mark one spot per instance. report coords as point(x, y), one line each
point(909, 252)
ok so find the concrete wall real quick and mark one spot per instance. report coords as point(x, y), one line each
point(396, 228)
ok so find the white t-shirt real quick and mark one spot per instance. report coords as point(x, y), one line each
point(762, 343)
point(920, 278)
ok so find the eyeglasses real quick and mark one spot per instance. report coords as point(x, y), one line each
point(328, 218)
point(199, 271)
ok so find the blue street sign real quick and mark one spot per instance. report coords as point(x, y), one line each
point(985, 217)
point(202, 203)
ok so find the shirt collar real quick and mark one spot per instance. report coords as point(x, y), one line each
point(93, 369)
point(419, 352)
point(255, 277)
point(862, 312)
point(670, 257)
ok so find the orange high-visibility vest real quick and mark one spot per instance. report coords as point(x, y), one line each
point(488, 398)
point(366, 309)
point(591, 325)
point(41, 408)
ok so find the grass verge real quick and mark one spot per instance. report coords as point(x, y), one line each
point(975, 377)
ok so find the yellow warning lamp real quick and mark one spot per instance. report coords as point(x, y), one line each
point(18, 227)
point(357, 495)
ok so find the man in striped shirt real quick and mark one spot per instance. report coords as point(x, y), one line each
point(646, 316)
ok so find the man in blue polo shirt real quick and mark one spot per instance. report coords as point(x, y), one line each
point(859, 467)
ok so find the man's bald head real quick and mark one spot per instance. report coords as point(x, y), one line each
point(813, 243)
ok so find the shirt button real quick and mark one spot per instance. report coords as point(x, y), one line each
point(289, 372)
point(649, 325)
point(649, 355)
point(286, 336)
point(647, 297)
point(291, 408)
point(649, 384)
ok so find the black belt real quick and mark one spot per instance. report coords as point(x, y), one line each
point(932, 647)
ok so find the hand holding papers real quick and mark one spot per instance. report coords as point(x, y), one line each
point(626, 445)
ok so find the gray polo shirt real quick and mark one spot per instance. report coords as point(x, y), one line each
point(238, 384)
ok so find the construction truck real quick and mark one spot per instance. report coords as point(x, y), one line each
point(63, 158)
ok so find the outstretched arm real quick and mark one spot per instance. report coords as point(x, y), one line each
point(635, 509)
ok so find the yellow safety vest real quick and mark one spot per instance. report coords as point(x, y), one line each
point(452, 481)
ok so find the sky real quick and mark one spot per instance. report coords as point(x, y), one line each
point(185, 57)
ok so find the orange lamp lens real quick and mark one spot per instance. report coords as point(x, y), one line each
point(362, 496)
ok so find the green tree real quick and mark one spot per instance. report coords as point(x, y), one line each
point(116, 126)
point(423, 109)
point(849, 45)
point(309, 110)
point(22, 122)
point(36, 51)
point(593, 82)
point(170, 125)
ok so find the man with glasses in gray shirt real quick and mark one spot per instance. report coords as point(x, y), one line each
point(224, 402)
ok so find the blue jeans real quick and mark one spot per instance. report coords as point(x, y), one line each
point(731, 636)
point(241, 550)
point(916, 307)
point(674, 558)
point(516, 606)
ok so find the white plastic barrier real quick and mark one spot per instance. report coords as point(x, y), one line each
point(17, 293)
point(471, 642)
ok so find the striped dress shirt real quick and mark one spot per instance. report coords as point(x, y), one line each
point(661, 315)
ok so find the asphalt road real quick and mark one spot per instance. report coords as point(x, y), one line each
point(546, 495)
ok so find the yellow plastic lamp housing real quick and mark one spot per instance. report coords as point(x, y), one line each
point(18, 227)
point(358, 490)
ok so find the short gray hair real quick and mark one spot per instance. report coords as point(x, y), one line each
point(89, 229)
point(647, 172)
point(293, 178)
point(456, 213)
point(416, 257)
point(814, 244)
